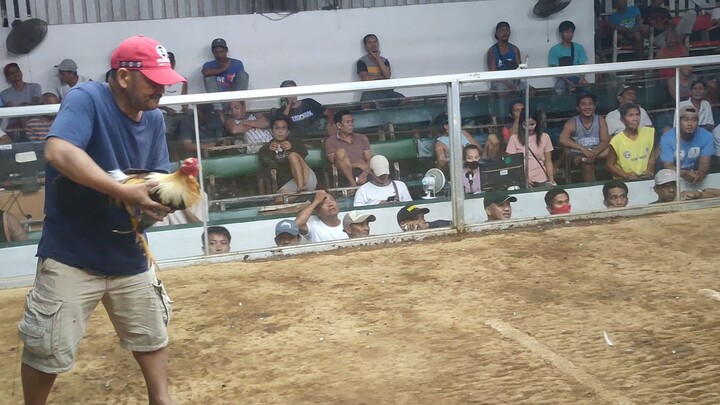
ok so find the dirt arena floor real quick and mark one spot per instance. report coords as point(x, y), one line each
point(494, 319)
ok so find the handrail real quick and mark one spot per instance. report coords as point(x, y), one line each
point(461, 78)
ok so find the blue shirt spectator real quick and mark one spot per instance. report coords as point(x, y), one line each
point(226, 79)
point(700, 145)
point(626, 18)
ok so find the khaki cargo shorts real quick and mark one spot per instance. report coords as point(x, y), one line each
point(58, 308)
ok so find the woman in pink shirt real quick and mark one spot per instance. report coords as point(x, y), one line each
point(539, 163)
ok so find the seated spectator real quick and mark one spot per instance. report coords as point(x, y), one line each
point(540, 170)
point(696, 147)
point(212, 133)
point(318, 221)
point(218, 240)
point(442, 143)
point(686, 78)
point(674, 48)
point(37, 128)
point(252, 126)
point(586, 136)
point(223, 73)
point(632, 154)
point(665, 185)
point(615, 194)
point(175, 114)
point(568, 53)
point(698, 89)
point(471, 169)
point(19, 93)
point(628, 23)
point(381, 188)
point(287, 157)
point(504, 56)
point(516, 107)
point(658, 17)
point(348, 151)
point(497, 206)
point(626, 94)
point(305, 114)
point(11, 230)
point(412, 218)
point(67, 71)
point(557, 201)
point(372, 66)
point(357, 225)
point(287, 233)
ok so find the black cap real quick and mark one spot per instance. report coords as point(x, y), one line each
point(410, 212)
point(501, 24)
point(497, 198)
point(218, 42)
point(623, 87)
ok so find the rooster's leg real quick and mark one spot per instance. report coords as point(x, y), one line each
point(143, 242)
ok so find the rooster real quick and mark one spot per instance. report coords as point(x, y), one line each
point(178, 191)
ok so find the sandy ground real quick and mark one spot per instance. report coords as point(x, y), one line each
point(503, 318)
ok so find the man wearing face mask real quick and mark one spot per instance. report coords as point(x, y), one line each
point(557, 201)
point(381, 189)
point(471, 169)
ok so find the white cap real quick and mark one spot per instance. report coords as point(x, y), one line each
point(355, 217)
point(379, 165)
point(664, 176)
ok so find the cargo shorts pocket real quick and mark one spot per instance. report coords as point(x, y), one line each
point(39, 324)
point(165, 301)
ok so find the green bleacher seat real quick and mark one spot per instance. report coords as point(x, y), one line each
point(230, 166)
point(396, 150)
point(316, 158)
point(398, 115)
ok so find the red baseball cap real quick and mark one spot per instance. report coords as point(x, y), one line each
point(148, 56)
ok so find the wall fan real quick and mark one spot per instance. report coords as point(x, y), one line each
point(545, 8)
point(26, 35)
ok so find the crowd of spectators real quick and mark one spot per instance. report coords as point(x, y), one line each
point(624, 143)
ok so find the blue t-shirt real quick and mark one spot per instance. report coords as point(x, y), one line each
point(627, 19)
point(226, 78)
point(80, 223)
point(701, 144)
point(558, 51)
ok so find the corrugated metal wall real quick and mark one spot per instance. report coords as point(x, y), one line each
point(94, 11)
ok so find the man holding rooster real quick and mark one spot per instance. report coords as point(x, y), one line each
point(89, 250)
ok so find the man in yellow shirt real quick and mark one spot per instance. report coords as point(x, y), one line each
point(632, 154)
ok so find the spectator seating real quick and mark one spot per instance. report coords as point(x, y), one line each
point(703, 26)
point(618, 49)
